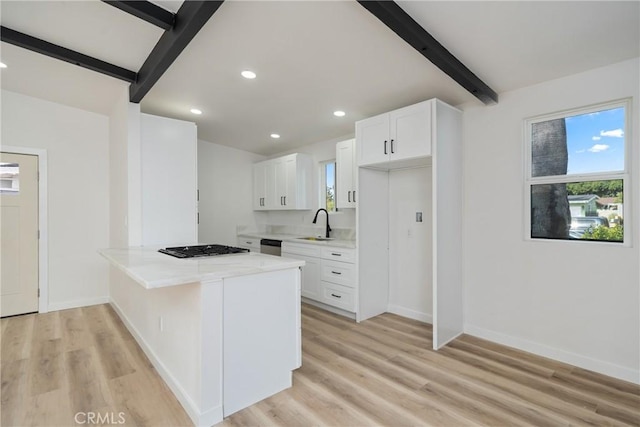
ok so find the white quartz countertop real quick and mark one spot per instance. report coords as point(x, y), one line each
point(153, 269)
point(294, 238)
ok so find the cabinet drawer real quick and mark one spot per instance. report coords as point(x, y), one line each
point(249, 243)
point(338, 272)
point(301, 249)
point(338, 296)
point(339, 254)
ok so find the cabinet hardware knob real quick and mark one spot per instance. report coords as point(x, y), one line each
point(354, 196)
point(392, 147)
point(336, 272)
point(385, 147)
point(335, 254)
point(337, 296)
point(349, 196)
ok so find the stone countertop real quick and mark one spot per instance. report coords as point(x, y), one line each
point(294, 238)
point(152, 269)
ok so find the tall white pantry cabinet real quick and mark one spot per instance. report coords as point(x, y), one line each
point(425, 135)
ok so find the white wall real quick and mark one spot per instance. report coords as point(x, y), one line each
point(320, 152)
point(410, 243)
point(225, 181)
point(77, 144)
point(572, 301)
point(118, 177)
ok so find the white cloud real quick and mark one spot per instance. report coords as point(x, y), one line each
point(580, 151)
point(615, 133)
point(598, 148)
point(596, 138)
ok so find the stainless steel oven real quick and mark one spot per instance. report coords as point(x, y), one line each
point(270, 247)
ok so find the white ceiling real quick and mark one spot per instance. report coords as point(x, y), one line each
point(311, 59)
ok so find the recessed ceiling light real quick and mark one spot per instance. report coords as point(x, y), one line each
point(196, 111)
point(248, 74)
point(339, 113)
point(275, 136)
point(3, 65)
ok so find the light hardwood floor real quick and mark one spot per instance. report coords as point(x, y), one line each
point(378, 372)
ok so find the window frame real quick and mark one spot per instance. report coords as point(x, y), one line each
point(624, 175)
point(322, 180)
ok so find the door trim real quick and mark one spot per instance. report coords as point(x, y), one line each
point(43, 254)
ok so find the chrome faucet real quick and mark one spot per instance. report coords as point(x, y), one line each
point(315, 218)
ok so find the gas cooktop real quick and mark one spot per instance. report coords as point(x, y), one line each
point(201, 251)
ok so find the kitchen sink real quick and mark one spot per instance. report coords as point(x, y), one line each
point(319, 239)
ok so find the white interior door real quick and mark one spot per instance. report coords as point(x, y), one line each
point(19, 234)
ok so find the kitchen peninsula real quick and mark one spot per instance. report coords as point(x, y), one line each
point(222, 331)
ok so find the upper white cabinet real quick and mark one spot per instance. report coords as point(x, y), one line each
point(260, 185)
point(346, 171)
point(395, 139)
point(283, 183)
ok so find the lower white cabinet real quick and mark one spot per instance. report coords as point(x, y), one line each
point(251, 243)
point(329, 275)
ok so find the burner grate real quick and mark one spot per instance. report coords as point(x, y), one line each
point(201, 251)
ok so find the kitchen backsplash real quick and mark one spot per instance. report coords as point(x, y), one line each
point(298, 230)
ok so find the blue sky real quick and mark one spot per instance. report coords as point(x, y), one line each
point(595, 141)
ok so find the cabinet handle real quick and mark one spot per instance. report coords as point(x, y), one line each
point(349, 195)
point(248, 243)
point(285, 200)
point(281, 204)
point(335, 254)
point(336, 272)
point(385, 147)
point(354, 196)
point(337, 296)
point(392, 147)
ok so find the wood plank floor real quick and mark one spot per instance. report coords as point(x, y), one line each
point(376, 373)
point(382, 372)
point(56, 365)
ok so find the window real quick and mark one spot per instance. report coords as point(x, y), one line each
point(577, 173)
point(10, 178)
point(328, 185)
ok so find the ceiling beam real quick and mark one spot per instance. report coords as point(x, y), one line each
point(53, 50)
point(410, 31)
point(190, 18)
point(147, 11)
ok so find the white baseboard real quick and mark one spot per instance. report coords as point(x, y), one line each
point(207, 418)
point(411, 314)
point(77, 303)
point(599, 366)
point(330, 308)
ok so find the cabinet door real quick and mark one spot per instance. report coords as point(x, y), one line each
point(274, 175)
point(345, 172)
point(290, 190)
point(310, 275)
point(260, 186)
point(410, 132)
point(372, 140)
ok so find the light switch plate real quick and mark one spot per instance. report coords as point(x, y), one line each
point(418, 216)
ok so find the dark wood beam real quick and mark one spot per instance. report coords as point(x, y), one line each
point(147, 11)
point(45, 48)
point(190, 18)
point(410, 31)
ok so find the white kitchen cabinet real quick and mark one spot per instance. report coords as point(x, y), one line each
point(400, 138)
point(346, 172)
point(283, 183)
point(329, 275)
point(251, 243)
point(311, 271)
point(169, 179)
point(379, 233)
point(260, 186)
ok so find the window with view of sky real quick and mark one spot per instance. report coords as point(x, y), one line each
point(595, 141)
